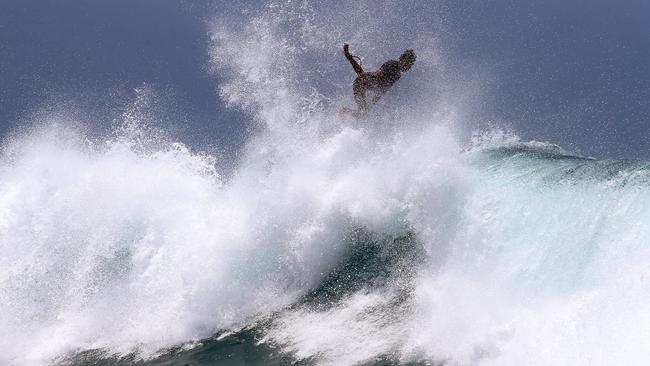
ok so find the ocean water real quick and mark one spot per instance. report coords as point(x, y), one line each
point(392, 241)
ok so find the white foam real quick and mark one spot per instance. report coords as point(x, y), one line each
point(526, 265)
point(138, 244)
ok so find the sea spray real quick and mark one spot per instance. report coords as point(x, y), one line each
point(127, 247)
point(527, 246)
point(135, 244)
point(526, 254)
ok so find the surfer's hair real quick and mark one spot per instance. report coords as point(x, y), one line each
point(406, 60)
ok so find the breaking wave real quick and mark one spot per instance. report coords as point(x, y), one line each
point(332, 242)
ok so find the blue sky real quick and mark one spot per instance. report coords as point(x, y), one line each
point(575, 73)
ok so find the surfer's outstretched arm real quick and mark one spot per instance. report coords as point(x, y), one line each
point(355, 65)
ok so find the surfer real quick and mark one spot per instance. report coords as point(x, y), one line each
point(377, 82)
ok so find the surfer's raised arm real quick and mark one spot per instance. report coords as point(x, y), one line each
point(355, 65)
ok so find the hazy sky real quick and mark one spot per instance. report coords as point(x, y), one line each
point(576, 73)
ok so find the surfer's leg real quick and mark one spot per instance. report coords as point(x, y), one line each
point(359, 90)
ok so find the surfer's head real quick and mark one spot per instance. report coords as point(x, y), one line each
point(406, 60)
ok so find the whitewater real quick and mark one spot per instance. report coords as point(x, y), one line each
point(396, 240)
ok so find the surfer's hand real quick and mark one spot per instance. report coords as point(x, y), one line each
point(346, 47)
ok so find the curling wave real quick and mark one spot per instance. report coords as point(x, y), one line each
point(329, 242)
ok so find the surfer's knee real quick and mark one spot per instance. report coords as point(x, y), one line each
point(359, 86)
